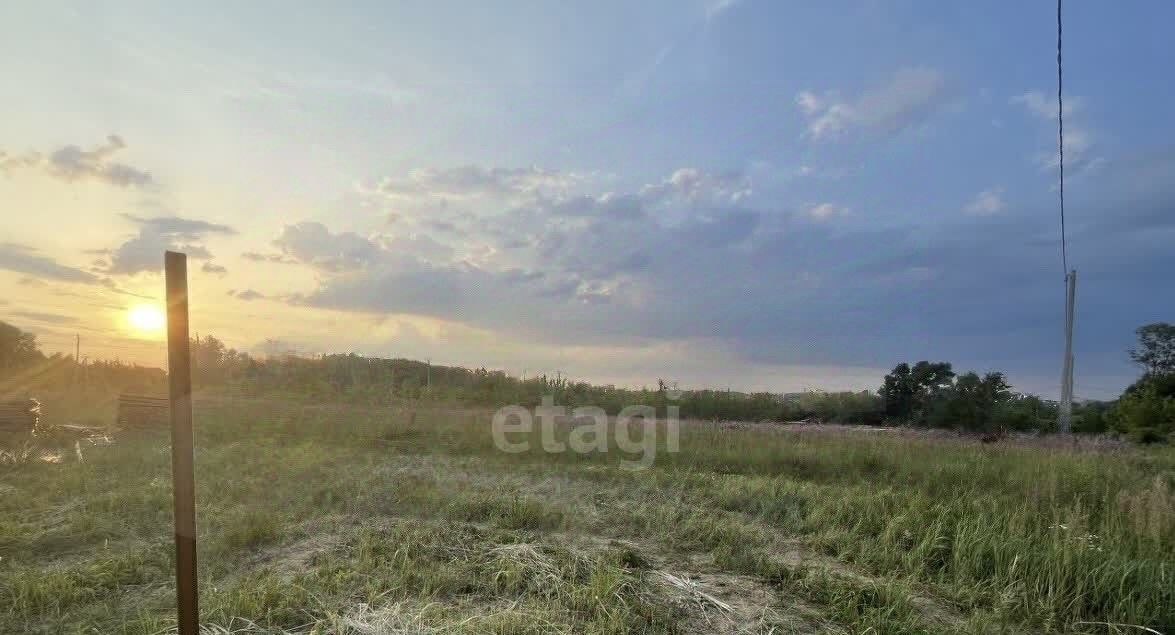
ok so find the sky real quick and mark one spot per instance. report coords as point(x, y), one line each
point(746, 194)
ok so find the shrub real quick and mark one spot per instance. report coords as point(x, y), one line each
point(1144, 413)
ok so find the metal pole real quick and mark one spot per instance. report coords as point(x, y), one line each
point(179, 371)
point(1065, 412)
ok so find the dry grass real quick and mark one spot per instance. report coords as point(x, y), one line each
point(338, 519)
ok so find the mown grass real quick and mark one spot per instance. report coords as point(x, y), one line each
point(340, 519)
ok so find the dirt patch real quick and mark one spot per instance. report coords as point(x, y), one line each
point(317, 536)
point(728, 604)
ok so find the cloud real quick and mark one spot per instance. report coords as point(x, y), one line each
point(986, 203)
point(908, 99)
point(210, 267)
point(26, 260)
point(10, 162)
point(826, 117)
point(472, 182)
point(181, 227)
point(693, 185)
point(313, 244)
point(254, 256)
point(144, 251)
point(72, 164)
point(1045, 106)
point(585, 245)
point(667, 262)
point(1080, 155)
point(715, 8)
point(247, 295)
point(28, 281)
point(824, 211)
point(580, 249)
point(47, 318)
point(278, 348)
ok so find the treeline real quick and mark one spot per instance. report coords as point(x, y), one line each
point(931, 395)
point(385, 381)
point(377, 380)
point(926, 394)
point(26, 371)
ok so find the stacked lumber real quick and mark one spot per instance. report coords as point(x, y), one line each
point(140, 412)
point(68, 433)
point(19, 416)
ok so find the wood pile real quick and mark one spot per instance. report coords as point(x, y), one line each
point(19, 416)
point(68, 433)
point(140, 412)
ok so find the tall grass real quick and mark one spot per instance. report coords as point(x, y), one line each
point(317, 516)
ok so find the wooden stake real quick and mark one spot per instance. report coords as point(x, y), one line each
point(183, 480)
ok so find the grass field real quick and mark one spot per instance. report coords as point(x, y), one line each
point(337, 519)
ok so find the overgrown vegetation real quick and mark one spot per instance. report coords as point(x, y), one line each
point(396, 513)
point(931, 395)
point(1146, 410)
point(349, 519)
point(924, 394)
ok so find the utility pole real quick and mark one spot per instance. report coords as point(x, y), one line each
point(1065, 412)
point(77, 358)
point(428, 376)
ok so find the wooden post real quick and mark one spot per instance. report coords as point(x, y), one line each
point(179, 371)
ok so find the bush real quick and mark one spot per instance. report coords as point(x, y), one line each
point(972, 403)
point(1144, 413)
point(1090, 418)
point(861, 408)
point(1025, 413)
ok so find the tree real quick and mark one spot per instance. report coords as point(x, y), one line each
point(1090, 417)
point(932, 377)
point(907, 392)
point(971, 403)
point(17, 348)
point(1146, 409)
point(1144, 414)
point(1156, 348)
point(897, 392)
point(1029, 412)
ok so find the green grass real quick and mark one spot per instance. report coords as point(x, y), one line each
point(344, 519)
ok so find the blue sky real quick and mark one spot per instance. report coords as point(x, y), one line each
point(734, 193)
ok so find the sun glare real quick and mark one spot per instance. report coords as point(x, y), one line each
point(145, 318)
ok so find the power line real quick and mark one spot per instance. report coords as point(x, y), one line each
point(1061, 145)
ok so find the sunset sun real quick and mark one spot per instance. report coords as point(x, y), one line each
point(145, 318)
